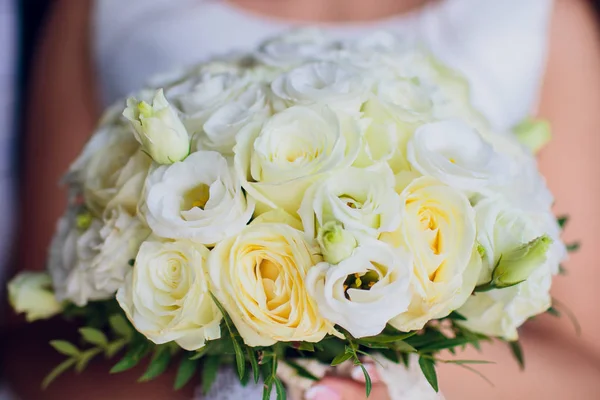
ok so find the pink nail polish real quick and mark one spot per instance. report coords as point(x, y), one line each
point(321, 392)
point(358, 375)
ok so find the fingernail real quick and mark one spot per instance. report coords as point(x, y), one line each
point(321, 392)
point(358, 375)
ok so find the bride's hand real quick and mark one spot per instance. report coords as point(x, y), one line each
point(351, 388)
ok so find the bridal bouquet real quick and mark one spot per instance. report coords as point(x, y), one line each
point(314, 200)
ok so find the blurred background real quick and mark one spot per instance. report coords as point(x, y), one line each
point(21, 23)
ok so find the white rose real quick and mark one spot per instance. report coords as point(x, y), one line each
point(455, 154)
point(72, 253)
point(438, 228)
point(259, 277)
point(198, 198)
point(158, 129)
point(277, 161)
point(293, 48)
point(31, 293)
point(336, 85)
point(167, 294)
point(220, 129)
point(406, 100)
point(121, 237)
point(502, 230)
point(205, 92)
point(361, 200)
point(363, 292)
point(111, 170)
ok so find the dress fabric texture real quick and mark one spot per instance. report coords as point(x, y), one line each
point(499, 45)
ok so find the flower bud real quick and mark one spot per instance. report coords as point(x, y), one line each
point(158, 129)
point(336, 243)
point(533, 134)
point(517, 265)
point(31, 293)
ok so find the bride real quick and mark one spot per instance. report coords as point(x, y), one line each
point(520, 56)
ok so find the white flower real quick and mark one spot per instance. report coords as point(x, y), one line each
point(72, 253)
point(405, 99)
point(221, 128)
point(121, 237)
point(198, 198)
point(501, 229)
point(363, 292)
point(158, 129)
point(111, 170)
point(361, 200)
point(259, 277)
point(277, 161)
point(438, 228)
point(31, 293)
point(293, 48)
point(89, 259)
point(454, 153)
point(336, 85)
point(167, 294)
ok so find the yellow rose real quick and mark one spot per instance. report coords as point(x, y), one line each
point(259, 277)
point(438, 228)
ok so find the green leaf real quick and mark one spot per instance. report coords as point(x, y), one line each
point(94, 336)
point(64, 347)
point(132, 358)
point(120, 326)
point(447, 344)
point(553, 311)
point(368, 384)
point(209, 372)
point(301, 371)
point(268, 387)
point(185, 372)
point(114, 347)
point(239, 354)
point(428, 368)
point(253, 363)
point(159, 363)
point(562, 221)
point(391, 355)
point(85, 358)
point(517, 351)
point(573, 247)
point(457, 316)
point(306, 346)
point(200, 353)
point(57, 371)
point(341, 358)
point(386, 338)
point(280, 389)
point(463, 362)
point(404, 347)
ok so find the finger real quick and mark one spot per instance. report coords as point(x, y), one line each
point(331, 388)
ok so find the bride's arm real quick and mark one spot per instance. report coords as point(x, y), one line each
point(61, 114)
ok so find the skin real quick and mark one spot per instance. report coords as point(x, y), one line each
point(560, 364)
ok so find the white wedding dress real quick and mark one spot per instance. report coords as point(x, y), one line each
point(499, 45)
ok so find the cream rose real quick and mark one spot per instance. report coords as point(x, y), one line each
point(438, 228)
point(220, 129)
point(259, 277)
point(31, 293)
point(337, 85)
point(277, 161)
point(363, 292)
point(362, 200)
point(199, 198)
point(167, 294)
point(293, 48)
point(457, 155)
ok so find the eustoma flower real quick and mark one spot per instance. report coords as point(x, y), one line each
point(259, 277)
point(364, 291)
point(167, 294)
point(31, 293)
point(199, 198)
